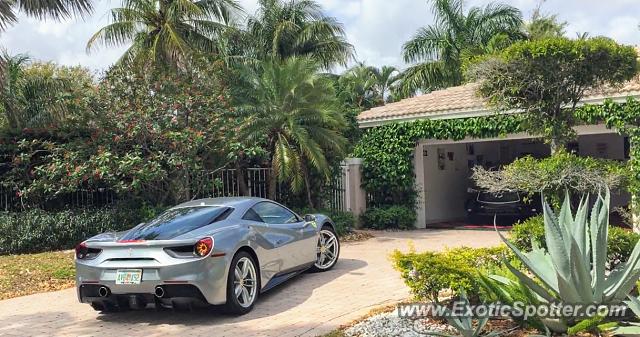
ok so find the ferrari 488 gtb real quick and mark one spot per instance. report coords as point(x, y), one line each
point(222, 251)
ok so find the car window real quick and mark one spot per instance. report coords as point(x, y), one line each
point(252, 215)
point(500, 197)
point(177, 221)
point(274, 214)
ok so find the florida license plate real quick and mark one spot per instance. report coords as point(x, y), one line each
point(128, 276)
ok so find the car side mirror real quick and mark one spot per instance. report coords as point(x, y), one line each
point(309, 218)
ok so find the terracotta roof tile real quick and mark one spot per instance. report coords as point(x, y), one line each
point(443, 103)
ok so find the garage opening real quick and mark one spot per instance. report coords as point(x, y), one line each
point(443, 170)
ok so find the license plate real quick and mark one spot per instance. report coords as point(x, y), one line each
point(128, 276)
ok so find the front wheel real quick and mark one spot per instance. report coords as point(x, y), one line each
point(328, 249)
point(242, 284)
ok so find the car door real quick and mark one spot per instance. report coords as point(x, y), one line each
point(295, 240)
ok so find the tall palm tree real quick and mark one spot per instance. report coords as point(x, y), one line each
point(455, 37)
point(286, 28)
point(293, 111)
point(29, 100)
point(167, 32)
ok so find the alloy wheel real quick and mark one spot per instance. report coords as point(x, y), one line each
point(245, 282)
point(327, 250)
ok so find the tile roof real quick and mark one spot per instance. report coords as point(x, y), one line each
point(463, 101)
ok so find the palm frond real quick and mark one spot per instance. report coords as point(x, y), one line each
point(56, 9)
point(7, 15)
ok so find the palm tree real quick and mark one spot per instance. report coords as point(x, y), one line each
point(166, 32)
point(455, 37)
point(386, 77)
point(293, 111)
point(286, 28)
point(30, 100)
point(364, 87)
point(56, 9)
point(356, 87)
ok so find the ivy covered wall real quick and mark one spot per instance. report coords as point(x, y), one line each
point(387, 150)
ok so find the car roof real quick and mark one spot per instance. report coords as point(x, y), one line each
point(235, 202)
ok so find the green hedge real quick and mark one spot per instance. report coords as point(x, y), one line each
point(36, 230)
point(345, 221)
point(386, 217)
point(620, 241)
point(428, 274)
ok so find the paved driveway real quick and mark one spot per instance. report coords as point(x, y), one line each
point(308, 305)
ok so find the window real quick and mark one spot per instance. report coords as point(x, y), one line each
point(178, 221)
point(252, 215)
point(274, 214)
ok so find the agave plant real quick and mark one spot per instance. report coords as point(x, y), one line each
point(573, 269)
point(631, 328)
point(464, 324)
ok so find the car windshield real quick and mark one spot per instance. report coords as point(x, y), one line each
point(176, 222)
point(499, 197)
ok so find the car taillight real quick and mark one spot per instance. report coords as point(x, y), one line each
point(203, 247)
point(81, 251)
point(86, 253)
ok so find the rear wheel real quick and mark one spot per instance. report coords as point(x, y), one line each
point(328, 249)
point(242, 284)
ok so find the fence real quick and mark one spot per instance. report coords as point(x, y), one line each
point(11, 201)
point(213, 184)
point(225, 183)
point(337, 188)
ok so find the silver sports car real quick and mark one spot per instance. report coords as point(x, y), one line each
point(210, 251)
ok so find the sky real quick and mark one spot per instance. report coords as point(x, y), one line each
point(377, 28)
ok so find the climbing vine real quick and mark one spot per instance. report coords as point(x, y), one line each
point(387, 150)
point(625, 118)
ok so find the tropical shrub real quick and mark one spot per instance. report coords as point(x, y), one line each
point(546, 79)
point(146, 146)
point(386, 217)
point(345, 221)
point(554, 175)
point(525, 233)
point(464, 323)
point(573, 268)
point(35, 230)
point(427, 274)
point(620, 244)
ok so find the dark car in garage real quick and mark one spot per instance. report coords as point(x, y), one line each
point(506, 207)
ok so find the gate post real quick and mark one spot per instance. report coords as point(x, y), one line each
point(355, 195)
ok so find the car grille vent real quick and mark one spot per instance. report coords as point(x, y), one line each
point(132, 259)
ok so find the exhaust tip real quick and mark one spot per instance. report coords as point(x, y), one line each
point(159, 292)
point(103, 291)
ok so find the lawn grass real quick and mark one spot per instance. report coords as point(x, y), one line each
point(27, 274)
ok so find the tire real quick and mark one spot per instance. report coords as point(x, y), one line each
point(235, 305)
point(322, 264)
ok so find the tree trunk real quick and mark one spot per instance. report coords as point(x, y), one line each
point(241, 175)
point(272, 182)
point(305, 174)
point(555, 145)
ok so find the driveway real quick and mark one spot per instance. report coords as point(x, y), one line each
point(308, 305)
